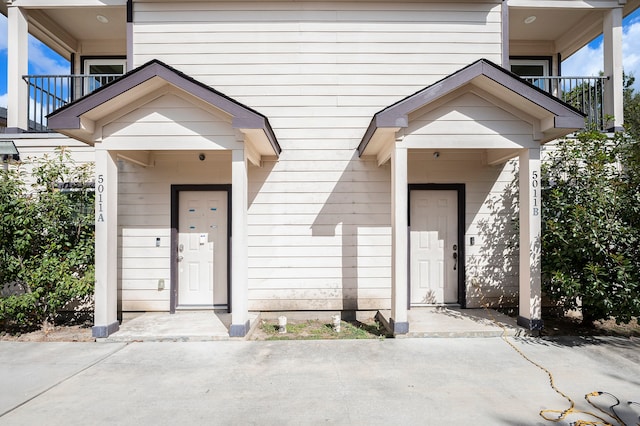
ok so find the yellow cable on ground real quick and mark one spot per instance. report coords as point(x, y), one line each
point(560, 414)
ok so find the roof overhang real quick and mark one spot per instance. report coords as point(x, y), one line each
point(551, 117)
point(80, 119)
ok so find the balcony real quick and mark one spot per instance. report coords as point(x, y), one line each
point(47, 93)
point(583, 93)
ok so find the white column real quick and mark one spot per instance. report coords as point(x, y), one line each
point(612, 47)
point(530, 303)
point(17, 66)
point(239, 246)
point(399, 235)
point(106, 287)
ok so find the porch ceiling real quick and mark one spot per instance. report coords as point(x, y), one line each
point(83, 118)
point(64, 27)
point(550, 117)
point(564, 26)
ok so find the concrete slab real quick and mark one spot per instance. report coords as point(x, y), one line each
point(444, 321)
point(202, 326)
point(183, 326)
point(28, 369)
point(348, 382)
point(457, 322)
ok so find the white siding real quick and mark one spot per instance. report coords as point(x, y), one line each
point(32, 147)
point(491, 207)
point(144, 214)
point(167, 119)
point(319, 217)
point(469, 121)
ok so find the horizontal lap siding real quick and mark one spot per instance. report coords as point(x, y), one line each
point(491, 211)
point(144, 214)
point(33, 149)
point(491, 208)
point(319, 217)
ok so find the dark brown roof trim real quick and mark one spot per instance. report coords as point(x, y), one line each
point(397, 114)
point(244, 117)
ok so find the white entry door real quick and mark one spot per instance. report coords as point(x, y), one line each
point(434, 250)
point(202, 249)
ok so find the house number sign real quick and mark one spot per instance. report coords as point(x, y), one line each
point(99, 201)
point(535, 192)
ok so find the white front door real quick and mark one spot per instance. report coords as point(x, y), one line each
point(434, 250)
point(202, 249)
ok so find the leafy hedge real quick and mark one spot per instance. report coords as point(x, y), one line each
point(46, 240)
point(591, 226)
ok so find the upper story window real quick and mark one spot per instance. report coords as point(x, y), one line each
point(532, 67)
point(102, 70)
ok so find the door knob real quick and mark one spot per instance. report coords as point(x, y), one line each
point(180, 258)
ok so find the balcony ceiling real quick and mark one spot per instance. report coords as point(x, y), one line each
point(549, 24)
point(82, 23)
point(565, 29)
point(65, 29)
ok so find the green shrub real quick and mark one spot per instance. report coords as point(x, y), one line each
point(46, 239)
point(591, 238)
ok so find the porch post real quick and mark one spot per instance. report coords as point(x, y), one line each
point(106, 286)
point(239, 246)
point(530, 303)
point(613, 87)
point(17, 66)
point(399, 230)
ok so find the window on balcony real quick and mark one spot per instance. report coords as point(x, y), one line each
point(100, 71)
point(532, 68)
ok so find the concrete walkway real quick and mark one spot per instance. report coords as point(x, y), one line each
point(203, 326)
point(444, 381)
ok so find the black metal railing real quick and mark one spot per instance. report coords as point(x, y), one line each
point(583, 93)
point(47, 93)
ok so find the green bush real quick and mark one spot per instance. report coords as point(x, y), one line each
point(46, 239)
point(591, 234)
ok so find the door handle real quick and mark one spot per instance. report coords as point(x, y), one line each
point(455, 258)
point(180, 258)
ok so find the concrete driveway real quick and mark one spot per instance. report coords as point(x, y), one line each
point(479, 381)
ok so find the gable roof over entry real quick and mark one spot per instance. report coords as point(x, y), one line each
point(80, 118)
point(551, 118)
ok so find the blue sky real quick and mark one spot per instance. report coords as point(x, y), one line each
point(44, 61)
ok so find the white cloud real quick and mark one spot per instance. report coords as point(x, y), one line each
point(3, 100)
point(588, 61)
point(631, 50)
point(43, 61)
point(3, 32)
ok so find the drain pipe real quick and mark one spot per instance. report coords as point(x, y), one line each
point(336, 323)
point(282, 324)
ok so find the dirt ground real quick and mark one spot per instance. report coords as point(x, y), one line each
point(567, 326)
point(58, 333)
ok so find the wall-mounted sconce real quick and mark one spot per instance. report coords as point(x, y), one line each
point(202, 157)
